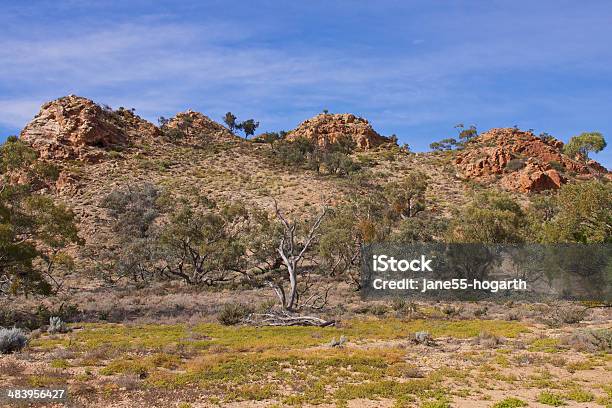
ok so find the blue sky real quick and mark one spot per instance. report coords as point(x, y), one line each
point(413, 68)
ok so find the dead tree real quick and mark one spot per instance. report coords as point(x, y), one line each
point(292, 253)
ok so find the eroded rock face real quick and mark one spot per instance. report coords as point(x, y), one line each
point(521, 161)
point(328, 128)
point(74, 127)
point(534, 177)
point(198, 127)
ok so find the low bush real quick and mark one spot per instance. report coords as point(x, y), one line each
point(579, 395)
point(488, 340)
point(333, 159)
point(233, 313)
point(565, 315)
point(481, 312)
point(34, 318)
point(57, 325)
point(378, 310)
point(592, 340)
point(451, 311)
point(404, 308)
point(549, 398)
point(11, 368)
point(173, 134)
point(557, 166)
point(398, 304)
point(510, 402)
point(423, 337)
point(12, 340)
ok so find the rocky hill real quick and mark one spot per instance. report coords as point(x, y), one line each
point(520, 161)
point(98, 150)
point(73, 127)
point(328, 128)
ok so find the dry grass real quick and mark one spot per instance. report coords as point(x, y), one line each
point(208, 364)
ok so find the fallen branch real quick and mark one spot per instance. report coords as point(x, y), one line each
point(286, 319)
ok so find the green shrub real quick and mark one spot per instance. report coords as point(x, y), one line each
point(579, 395)
point(549, 398)
point(510, 402)
point(557, 166)
point(173, 134)
point(233, 313)
point(563, 315)
point(378, 310)
point(333, 159)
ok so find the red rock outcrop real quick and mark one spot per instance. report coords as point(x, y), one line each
point(534, 177)
point(521, 161)
point(74, 127)
point(328, 128)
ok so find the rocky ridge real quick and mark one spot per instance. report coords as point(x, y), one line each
point(76, 128)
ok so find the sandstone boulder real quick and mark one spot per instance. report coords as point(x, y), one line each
point(326, 129)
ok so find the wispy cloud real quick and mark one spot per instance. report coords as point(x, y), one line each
point(184, 58)
point(16, 112)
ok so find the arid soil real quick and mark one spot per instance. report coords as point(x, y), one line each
point(164, 347)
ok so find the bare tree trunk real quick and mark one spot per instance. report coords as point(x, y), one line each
point(291, 268)
point(291, 253)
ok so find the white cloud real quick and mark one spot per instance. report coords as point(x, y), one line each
point(16, 112)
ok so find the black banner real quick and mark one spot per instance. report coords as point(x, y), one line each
point(478, 271)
